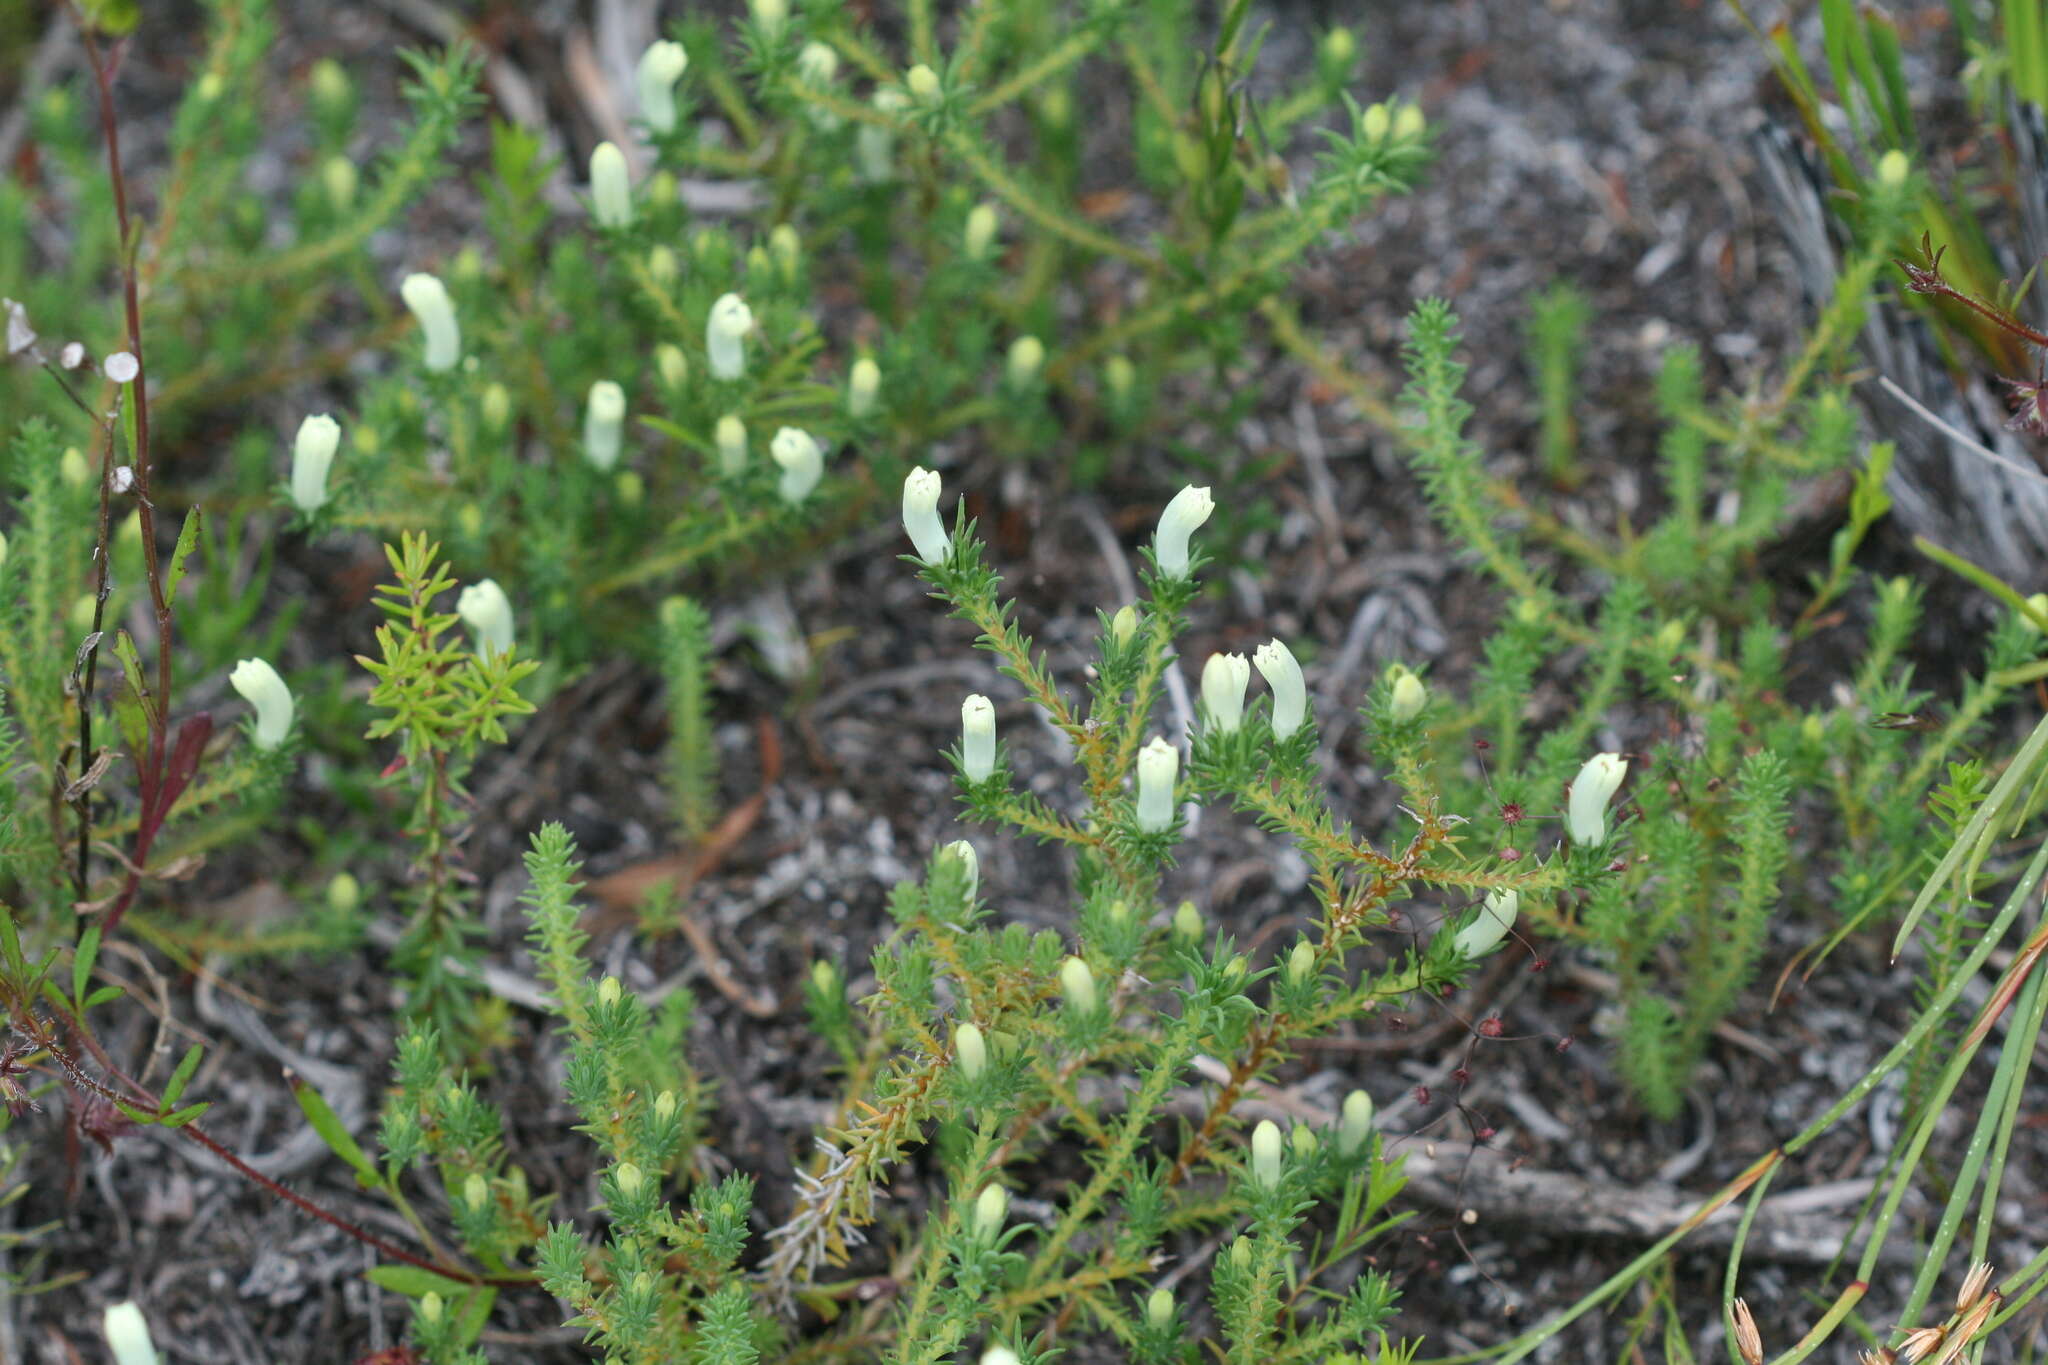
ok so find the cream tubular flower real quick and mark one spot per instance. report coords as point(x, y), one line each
point(927, 530)
point(427, 297)
point(978, 738)
point(1224, 679)
point(260, 686)
point(1158, 769)
point(487, 611)
point(611, 197)
point(1277, 665)
point(312, 455)
point(1585, 816)
point(661, 66)
point(604, 414)
point(1188, 510)
point(803, 463)
point(730, 320)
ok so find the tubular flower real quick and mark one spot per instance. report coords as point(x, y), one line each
point(730, 320)
point(803, 464)
point(1277, 665)
point(312, 455)
point(260, 686)
point(427, 297)
point(603, 414)
point(1266, 1154)
point(487, 611)
point(731, 438)
point(1188, 510)
point(1224, 679)
point(1158, 769)
point(661, 66)
point(1585, 816)
point(921, 516)
point(611, 198)
point(1495, 919)
point(977, 738)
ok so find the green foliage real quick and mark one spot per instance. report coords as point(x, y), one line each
point(692, 755)
point(1556, 339)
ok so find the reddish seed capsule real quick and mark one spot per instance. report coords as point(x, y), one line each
point(1461, 1075)
point(1422, 1094)
point(1538, 964)
point(1489, 1027)
point(1484, 1134)
point(1510, 855)
point(1512, 813)
point(1564, 1044)
point(1482, 745)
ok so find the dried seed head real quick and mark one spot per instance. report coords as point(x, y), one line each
point(1974, 1285)
point(1921, 1343)
point(1748, 1340)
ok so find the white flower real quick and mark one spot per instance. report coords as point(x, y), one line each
point(816, 64)
point(977, 738)
point(121, 367)
point(1224, 679)
point(1408, 698)
point(999, 1355)
point(128, 1335)
point(488, 613)
point(981, 231)
point(990, 1209)
point(1585, 817)
point(1158, 767)
point(803, 464)
point(1356, 1127)
point(1077, 984)
point(260, 686)
point(1026, 359)
point(731, 437)
point(729, 321)
point(1496, 917)
point(603, 414)
point(964, 851)
point(771, 15)
point(970, 1051)
point(661, 66)
point(1266, 1154)
point(427, 297)
point(312, 455)
point(921, 516)
point(1188, 510)
point(863, 383)
point(611, 199)
point(1276, 664)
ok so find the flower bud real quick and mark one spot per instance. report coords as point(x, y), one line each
point(72, 468)
point(312, 455)
point(825, 977)
point(611, 198)
point(1158, 769)
point(475, 1190)
point(863, 383)
point(339, 179)
point(731, 439)
point(665, 1106)
point(628, 1178)
point(427, 297)
point(1893, 168)
point(260, 686)
point(1338, 51)
point(1409, 122)
point(1187, 921)
point(981, 231)
point(977, 738)
point(1266, 1154)
point(1375, 123)
point(662, 265)
point(817, 64)
point(609, 991)
point(603, 414)
point(1159, 1309)
point(729, 321)
point(1120, 376)
point(128, 1335)
point(991, 1207)
point(999, 1355)
point(1224, 679)
point(430, 1307)
point(1026, 359)
point(1188, 510)
point(661, 66)
point(922, 82)
point(1123, 625)
point(1496, 917)
point(486, 610)
point(1355, 1130)
point(771, 15)
point(1303, 1140)
point(344, 893)
point(921, 518)
point(787, 249)
point(1408, 698)
point(1277, 665)
point(964, 851)
point(629, 488)
point(970, 1051)
point(803, 464)
point(1585, 816)
point(331, 86)
point(121, 367)
point(1301, 962)
point(496, 407)
point(1077, 984)
point(671, 365)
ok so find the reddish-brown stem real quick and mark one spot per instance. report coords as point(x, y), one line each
point(1997, 317)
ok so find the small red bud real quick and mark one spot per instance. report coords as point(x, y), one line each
point(1564, 1044)
point(1489, 1027)
point(1422, 1094)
